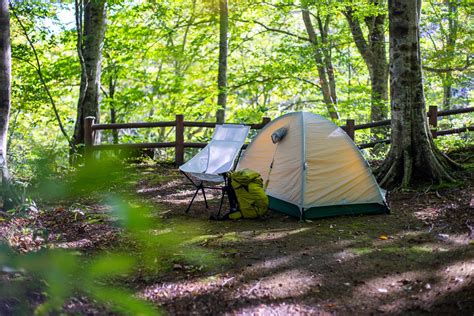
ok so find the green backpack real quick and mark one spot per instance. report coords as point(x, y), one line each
point(248, 187)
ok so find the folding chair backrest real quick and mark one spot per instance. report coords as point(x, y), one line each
point(227, 132)
point(220, 154)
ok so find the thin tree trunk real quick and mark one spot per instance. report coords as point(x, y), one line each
point(451, 47)
point(331, 77)
point(413, 154)
point(223, 52)
point(5, 97)
point(324, 31)
point(91, 31)
point(374, 54)
point(39, 71)
point(113, 111)
point(447, 90)
point(379, 73)
point(320, 66)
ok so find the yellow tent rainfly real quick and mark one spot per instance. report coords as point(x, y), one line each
point(311, 168)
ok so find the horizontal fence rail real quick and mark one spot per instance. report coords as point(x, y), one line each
point(179, 124)
point(432, 115)
point(179, 144)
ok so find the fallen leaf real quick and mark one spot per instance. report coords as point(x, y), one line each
point(383, 237)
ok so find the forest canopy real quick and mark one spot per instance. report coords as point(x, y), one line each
point(102, 100)
point(160, 58)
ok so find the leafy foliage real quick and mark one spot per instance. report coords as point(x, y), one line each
point(160, 59)
point(153, 243)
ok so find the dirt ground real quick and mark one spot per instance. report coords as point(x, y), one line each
point(417, 260)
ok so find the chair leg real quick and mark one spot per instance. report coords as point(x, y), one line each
point(204, 194)
point(192, 200)
point(222, 201)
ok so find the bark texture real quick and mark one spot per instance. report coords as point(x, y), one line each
point(413, 154)
point(373, 52)
point(91, 30)
point(447, 78)
point(322, 57)
point(5, 94)
point(223, 52)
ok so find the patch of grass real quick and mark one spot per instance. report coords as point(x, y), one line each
point(421, 249)
point(156, 179)
point(362, 250)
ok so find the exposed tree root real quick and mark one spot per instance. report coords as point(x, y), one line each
point(404, 169)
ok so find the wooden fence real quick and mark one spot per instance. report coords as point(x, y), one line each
point(179, 144)
point(433, 115)
point(179, 124)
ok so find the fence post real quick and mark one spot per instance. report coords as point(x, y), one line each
point(88, 137)
point(179, 140)
point(350, 124)
point(220, 116)
point(433, 120)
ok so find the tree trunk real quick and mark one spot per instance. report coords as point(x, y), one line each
point(374, 54)
point(5, 97)
point(113, 111)
point(90, 40)
point(223, 48)
point(379, 73)
point(324, 32)
point(320, 66)
point(451, 47)
point(413, 154)
point(447, 90)
point(331, 78)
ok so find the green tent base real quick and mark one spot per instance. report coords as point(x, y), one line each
point(327, 211)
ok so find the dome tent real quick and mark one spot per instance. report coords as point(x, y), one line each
point(313, 169)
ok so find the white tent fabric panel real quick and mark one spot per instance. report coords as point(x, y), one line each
point(286, 156)
point(288, 165)
point(336, 173)
point(258, 156)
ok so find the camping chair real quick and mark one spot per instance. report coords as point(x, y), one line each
point(213, 162)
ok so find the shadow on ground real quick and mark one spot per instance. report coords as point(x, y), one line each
point(419, 260)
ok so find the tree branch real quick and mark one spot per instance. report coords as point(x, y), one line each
point(302, 38)
point(450, 69)
point(359, 38)
point(308, 82)
point(269, 79)
point(309, 27)
point(40, 75)
point(444, 70)
point(289, 105)
point(104, 92)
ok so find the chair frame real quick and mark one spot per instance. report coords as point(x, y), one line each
point(200, 187)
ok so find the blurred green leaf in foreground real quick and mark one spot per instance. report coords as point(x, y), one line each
point(63, 273)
